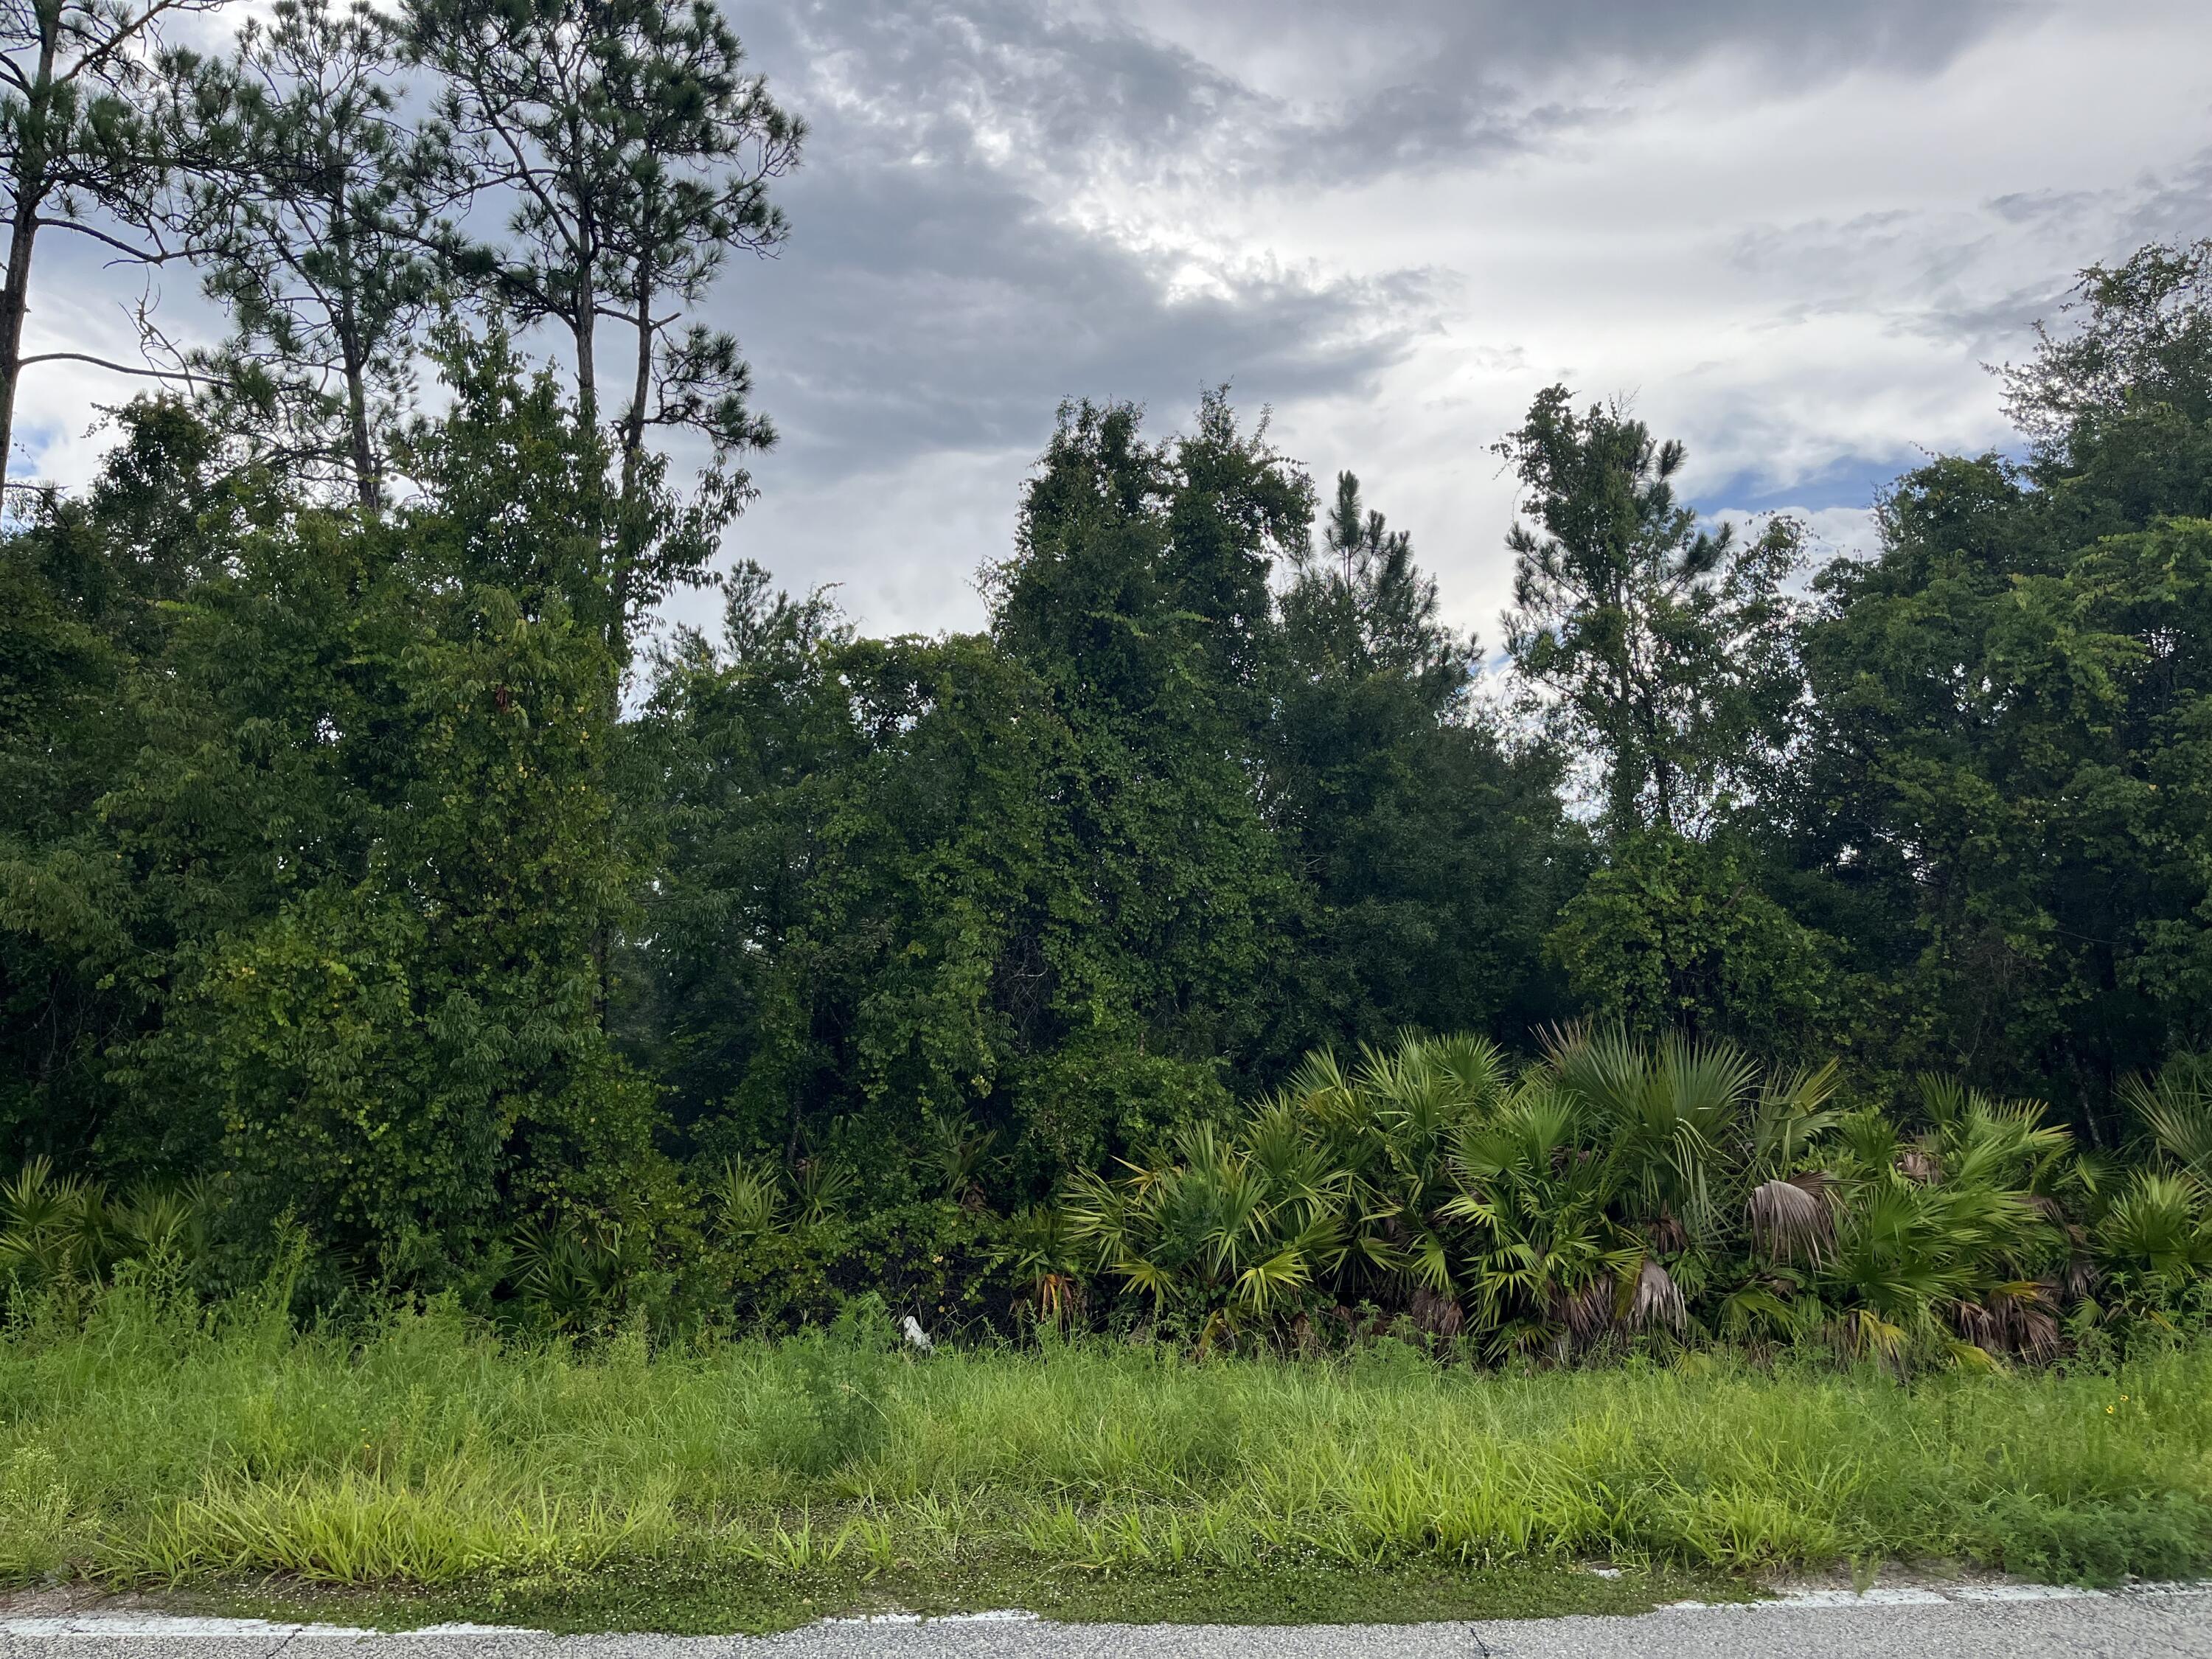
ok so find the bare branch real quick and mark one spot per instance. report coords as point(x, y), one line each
point(121, 368)
point(96, 58)
point(158, 255)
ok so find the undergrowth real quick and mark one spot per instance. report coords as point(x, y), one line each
point(145, 1442)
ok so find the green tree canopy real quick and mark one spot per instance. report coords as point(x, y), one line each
point(1666, 646)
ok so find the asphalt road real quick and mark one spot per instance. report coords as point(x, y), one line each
point(1994, 1623)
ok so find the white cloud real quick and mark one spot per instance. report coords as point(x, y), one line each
point(1793, 232)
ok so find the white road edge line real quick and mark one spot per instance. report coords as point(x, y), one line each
point(992, 1616)
point(1788, 1599)
point(1801, 1599)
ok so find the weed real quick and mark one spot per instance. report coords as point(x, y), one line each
point(144, 1442)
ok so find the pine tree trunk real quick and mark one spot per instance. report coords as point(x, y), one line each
point(367, 485)
point(15, 305)
point(28, 188)
point(633, 454)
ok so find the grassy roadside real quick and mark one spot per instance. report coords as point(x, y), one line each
point(704, 1598)
point(746, 1485)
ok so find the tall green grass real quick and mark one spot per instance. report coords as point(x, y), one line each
point(147, 1442)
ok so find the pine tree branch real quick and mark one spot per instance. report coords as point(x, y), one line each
point(98, 56)
point(119, 369)
point(160, 255)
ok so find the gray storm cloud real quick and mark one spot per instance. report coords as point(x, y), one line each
point(1793, 231)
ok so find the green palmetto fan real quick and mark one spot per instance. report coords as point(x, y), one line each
point(1621, 1191)
point(745, 1201)
point(1949, 1239)
point(2175, 1107)
point(1664, 1115)
point(820, 1186)
point(571, 1270)
point(1391, 1125)
point(1543, 1251)
point(2158, 1229)
point(957, 1153)
point(52, 1227)
point(1222, 1231)
point(1789, 1206)
point(57, 1229)
point(168, 1221)
point(1038, 1247)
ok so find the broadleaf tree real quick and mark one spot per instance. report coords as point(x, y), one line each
point(377, 847)
point(1432, 839)
point(2001, 810)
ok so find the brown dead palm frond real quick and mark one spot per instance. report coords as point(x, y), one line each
point(1588, 1313)
point(1657, 1300)
point(1439, 1316)
point(1974, 1323)
point(2082, 1274)
point(1920, 1165)
point(2017, 1317)
point(1790, 1218)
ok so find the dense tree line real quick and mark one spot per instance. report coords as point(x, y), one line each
point(367, 872)
point(1068, 883)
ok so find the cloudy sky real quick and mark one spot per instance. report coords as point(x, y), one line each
point(1791, 230)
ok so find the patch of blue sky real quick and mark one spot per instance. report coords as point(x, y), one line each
point(1850, 481)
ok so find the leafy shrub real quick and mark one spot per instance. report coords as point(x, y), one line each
point(844, 1369)
point(2156, 1535)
